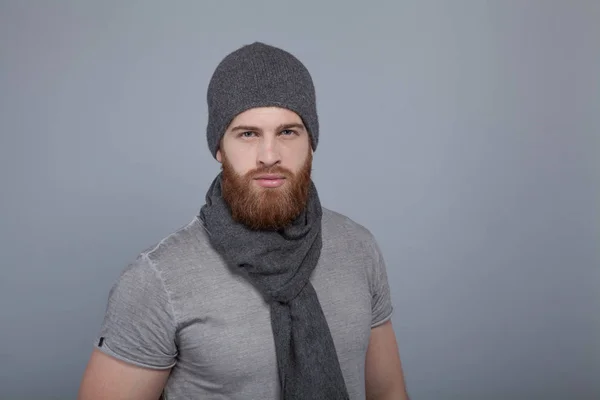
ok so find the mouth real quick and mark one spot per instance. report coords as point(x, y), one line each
point(270, 180)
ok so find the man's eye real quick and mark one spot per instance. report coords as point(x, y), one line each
point(287, 132)
point(247, 134)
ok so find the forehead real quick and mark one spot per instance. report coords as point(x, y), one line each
point(266, 117)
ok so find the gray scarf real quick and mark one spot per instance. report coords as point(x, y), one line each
point(279, 264)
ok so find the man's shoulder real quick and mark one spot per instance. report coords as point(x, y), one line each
point(176, 242)
point(341, 226)
point(187, 242)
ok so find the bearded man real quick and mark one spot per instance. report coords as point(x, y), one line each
point(265, 294)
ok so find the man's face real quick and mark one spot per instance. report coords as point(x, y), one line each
point(267, 160)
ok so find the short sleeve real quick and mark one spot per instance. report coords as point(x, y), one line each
point(381, 302)
point(139, 326)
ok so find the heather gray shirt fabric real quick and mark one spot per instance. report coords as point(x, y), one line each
point(180, 306)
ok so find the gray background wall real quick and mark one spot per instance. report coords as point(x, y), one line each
point(464, 134)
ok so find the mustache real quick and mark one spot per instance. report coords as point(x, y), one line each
point(275, 169)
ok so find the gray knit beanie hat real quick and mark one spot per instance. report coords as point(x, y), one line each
point(259, 75)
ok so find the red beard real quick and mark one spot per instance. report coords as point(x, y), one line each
point(266, 208)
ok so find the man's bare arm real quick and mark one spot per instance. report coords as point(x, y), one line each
point(106, 377)
point(383, 370)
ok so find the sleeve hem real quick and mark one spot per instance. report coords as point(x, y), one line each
point(383, 320)
point(110, 352)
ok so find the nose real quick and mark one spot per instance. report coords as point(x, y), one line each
point(268, 152)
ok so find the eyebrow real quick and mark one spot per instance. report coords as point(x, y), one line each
point(281, 127)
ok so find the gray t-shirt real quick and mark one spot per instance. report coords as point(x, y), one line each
point(180, 306)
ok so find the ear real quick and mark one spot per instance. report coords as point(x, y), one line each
point(219, 157)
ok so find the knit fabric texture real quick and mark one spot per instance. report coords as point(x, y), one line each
point(259, 75)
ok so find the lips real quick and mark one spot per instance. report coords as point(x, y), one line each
point(270, 176)
point(270, 180)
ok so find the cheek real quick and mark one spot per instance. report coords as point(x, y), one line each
point(296, 160)
point(239, 159)
point(241, 167)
